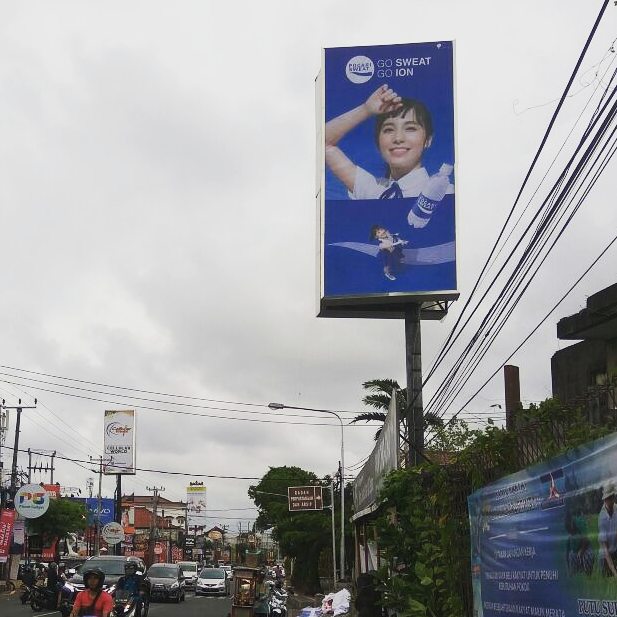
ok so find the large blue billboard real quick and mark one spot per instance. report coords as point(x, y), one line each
point(544, 540)
point(387, 187)
point(108, 509)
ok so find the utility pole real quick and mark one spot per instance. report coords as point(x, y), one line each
point(4, 427)
point(118, 508)
point(19, 407)
point(97, 539)
point(156, 490)
point(89, 486)
point(414, 414)
point(333, 535)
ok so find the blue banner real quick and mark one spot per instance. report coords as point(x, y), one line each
point(108, 509)
point(388, 211)
point(544, 540)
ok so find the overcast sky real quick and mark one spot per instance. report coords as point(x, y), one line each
point(157, 167)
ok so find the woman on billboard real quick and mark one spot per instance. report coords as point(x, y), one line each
point(403, 131)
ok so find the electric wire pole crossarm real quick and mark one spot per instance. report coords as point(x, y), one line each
point(275, 406)
point(19, 407)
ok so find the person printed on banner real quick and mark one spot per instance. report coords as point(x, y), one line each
point(93, 601)
point(403, 131)
point(607, 531)
point(390, 250)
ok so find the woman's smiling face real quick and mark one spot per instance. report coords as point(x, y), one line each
point(402, 141)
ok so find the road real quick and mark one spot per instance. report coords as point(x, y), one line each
point(201, 606)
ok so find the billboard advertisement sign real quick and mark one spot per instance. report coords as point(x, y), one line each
point(119, 442)
point(303, 498)
point(387, 160)
point(196, 505)
point(107, 512)
point(31, 501)
point(544, 540)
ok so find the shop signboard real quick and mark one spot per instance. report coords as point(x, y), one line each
point(543, 540)
point(31, 501)
point(113, 533)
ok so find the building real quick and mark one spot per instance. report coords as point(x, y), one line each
point(585, 374)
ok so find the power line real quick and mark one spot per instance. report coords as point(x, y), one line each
point(176, 411)
point(535, 329)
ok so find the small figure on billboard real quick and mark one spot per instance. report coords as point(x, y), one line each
point(403, 131)
point(390, 250)
point(607, 531)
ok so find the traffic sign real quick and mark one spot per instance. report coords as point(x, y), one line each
point(304, 498)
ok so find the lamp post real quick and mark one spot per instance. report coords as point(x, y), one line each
point(336, 415)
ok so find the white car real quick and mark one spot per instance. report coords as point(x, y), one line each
point(190, 571)
point(212, 580)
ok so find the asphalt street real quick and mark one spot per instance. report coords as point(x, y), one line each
point(193, 606)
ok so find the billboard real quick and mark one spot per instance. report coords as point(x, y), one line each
point(31, 501)
point(544, 540)
point(196, 505)
point(303, 498)
point(108, 509)
point(386, 160)
point(7, 520)
point(119, 442)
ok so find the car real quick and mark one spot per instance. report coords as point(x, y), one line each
point(190, 571)
point(167, 582)
point(212, 580)
point(113, 568)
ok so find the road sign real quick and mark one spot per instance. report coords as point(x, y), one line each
point(304, 498)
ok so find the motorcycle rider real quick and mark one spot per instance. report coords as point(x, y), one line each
point(93, 601)
point(133, 583)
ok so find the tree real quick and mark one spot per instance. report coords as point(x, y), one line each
point(301, 535)
point(379, 398)
point(62, 517)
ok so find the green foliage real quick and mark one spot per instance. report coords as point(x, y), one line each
point(424, 531)
point(300, 534)
point(62, 517)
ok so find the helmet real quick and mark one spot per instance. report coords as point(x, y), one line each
point(53, 566)
point(130, 567)
point(279, 584)
point(95, 572)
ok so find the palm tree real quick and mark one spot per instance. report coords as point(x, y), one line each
point(379, 397)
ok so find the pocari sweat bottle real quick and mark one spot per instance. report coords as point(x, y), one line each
point(434, 191)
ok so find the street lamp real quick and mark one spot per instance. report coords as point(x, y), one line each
point(277, 406)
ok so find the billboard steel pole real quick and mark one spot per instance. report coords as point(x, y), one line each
point(413, 355)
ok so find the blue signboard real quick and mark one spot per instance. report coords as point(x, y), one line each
point(108, 509)
point(544, 540)
point(388, 215)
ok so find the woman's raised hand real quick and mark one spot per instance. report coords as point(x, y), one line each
point(383, 101)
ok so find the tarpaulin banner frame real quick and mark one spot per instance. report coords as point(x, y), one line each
point(544, 540)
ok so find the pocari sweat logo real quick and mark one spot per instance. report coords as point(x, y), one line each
point(359, 69)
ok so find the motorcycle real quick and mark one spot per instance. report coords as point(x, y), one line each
point(124, 604)
point(278, 603)
point(68, 594)
point(43, 598)
point(26, 593)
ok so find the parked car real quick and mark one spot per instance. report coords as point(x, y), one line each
point(190, 571)
point(212, 580)
point(167, 582)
